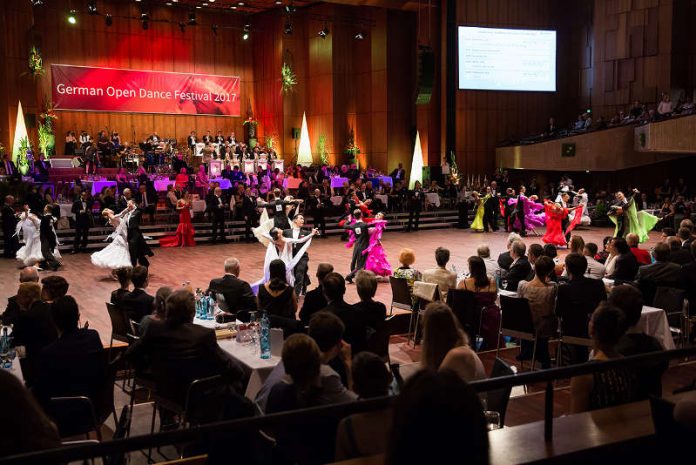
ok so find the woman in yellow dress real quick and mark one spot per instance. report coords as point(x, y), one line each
point(477, 224)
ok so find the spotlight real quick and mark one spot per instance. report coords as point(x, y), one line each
point(279, 2)
point(72, 17)
point(360, 35)
point(234, 7)
point(108, 19)
point(92, 8)
point(182, 26)
point(240, 3)
point(287, 29)
point(211, 1)
point(169, 3)
point(246, 32)
point(192, 19)
point(37, 2)
point(290, 8)
point(214, 27)
point(204, 4)
point(324, 32)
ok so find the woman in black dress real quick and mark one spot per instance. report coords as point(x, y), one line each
point(70, 143)
point(276, 297)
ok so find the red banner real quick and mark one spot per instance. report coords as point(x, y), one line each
point(123, 90)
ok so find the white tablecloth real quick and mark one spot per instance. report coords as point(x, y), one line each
point(224, 183)
point(383, 198)
point(66, 210)
point(653, 322)
point(198, 206)
point(432, 198)
point(337, 182)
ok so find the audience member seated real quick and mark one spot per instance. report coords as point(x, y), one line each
point(624, 263)
point(25, 427)
point(407, 258)
point(577, 299)
point(505, 259)
point(371, 312)
point(365, 434)
point(314, 300)
point(642, 255)
point(603, 388)
point(594, 268)
point(541, 294)
point(534, 252)
point(678, 254)
point(444, 278)
point(685, 236)
point(327, 331)
point(519, 269)
point(492, 267)
point(603, 256)
point(688, 281)
point(237, 294)
point(355, 325)
point(124, 279)
point(485, 292)
point(74, 364)
point(179, 351)
point(53, 287)
point(159, 309)
point(635, 342)
point(138, 302)
point(446, 346)
point(276, 297)
point(29, 274)
point(660, 273)
point(438, 416)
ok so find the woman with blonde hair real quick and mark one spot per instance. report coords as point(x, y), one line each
point(446, 346)
point(116, 254)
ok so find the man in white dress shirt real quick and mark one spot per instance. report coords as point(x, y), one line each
point(594, 268)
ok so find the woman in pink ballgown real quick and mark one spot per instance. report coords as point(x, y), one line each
point(183, 237)
point(376, 256)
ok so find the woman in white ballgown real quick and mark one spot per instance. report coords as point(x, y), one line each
point(29, 225)
point(279, 247)
point(115, 255)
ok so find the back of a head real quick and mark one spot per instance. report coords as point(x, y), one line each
point(326, 329)
point(483, 251)
point(550, 251)
point(543, 267)
point(512, 237)
point(301, 360)
point(621, 246)
point(577, 243)
point(591, 249)
point(674, 243)
point(576, 265)
point(535, 251)
point(232, 266)
point(632, 239)
point(65, 313)
point(160, 302)
point(441, 333)
point(139, 276)
point(124, 275)
point(324, 269)
point(608, 324)
point(688, 224)
point(334, 287)
point(518, 248)
point(684, 234)
point(370, 375)
point(477, 270)
point(629, 300)
point(54, 287)
point(276, 273)
point(661, 252)
point(180, 307)
point(442, 256)
point(29, 274)
point(437, 416)
point(27, 294)
point(366, 284)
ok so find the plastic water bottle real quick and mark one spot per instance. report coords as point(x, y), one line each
point(209, 308)
point(197, 297)
point(265, 337)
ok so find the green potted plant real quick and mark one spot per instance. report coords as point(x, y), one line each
point(288, 80)
point(321, 150)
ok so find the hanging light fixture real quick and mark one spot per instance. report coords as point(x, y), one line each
point(324, 32)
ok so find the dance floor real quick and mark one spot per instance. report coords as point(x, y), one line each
point(92, 286)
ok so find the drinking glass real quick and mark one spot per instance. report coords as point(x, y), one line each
point(492, 419)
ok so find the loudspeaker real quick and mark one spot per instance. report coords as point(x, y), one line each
point(568, 150)
point(426, 75)
point(295, 133)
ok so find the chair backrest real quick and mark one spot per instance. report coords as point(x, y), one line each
point(516, 314)
point(426, 292)
point(401, 295)
point(205, 398)
point(497, 399)
point(463, 305)
point(120, 326)
point(73, 416)
point(670, 299)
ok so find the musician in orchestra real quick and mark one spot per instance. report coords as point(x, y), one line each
point(207, 138)
point(91, 158)
point(104, 146)
point(237, 175)
point(122, 180)
point(154, 138)
point(231, 139)
point(179, 164)
point(85, 139)
point(146, 202)
point(192, 140)
point(116, 141)
point(219, 138)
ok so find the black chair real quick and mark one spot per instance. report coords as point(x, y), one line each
point(121, 328)
point(378, 342)
point(401, 294)
point(463, 305)
point(516, 321)
point(571, 335)
point(497, 399)
point(423, 301)
point(673, 302)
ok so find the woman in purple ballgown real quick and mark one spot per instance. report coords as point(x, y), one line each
point(534, 215)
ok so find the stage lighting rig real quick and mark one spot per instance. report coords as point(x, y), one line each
point(246, 32)
point(72, 17)
point(287, 29)
point(92, 8)
point(324, 32)
point(108, 20)
point(192, 19)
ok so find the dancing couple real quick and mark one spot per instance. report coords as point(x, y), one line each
point(40, 239)
point(627, 219)
point(366, 240)
point(526, 213)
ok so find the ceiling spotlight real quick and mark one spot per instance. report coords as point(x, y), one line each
point(198, 7)
point(324, 32)
point(92, 8)
point(287, 29)
point(246, 32)
point(360, 35)
point(192, 19)
point(234, 7)
point(214, 27)
point(37, 2)
point(144, 16)
point(138, 1)
point(290, 8)
point(72, 17)
point(169, 3)
point(204, 4)
point(211, 1)
point(182, 27)
point(108, 20)
point(279, 2)
point(175, 1)
point(240, 3)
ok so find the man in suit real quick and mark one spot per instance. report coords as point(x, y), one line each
point(49, 241)
point(504, 259)
point(179, 351)
point(28, 274)
point(355, 325)
point(314, 300)
point(625, 264)
point(236, 293)
point(684, 235)
point(520, 267)
point(398, 174)
point(9, 167)
point(74, 364)
point(126, 195)
point(146, 202)
point(416, 200)
point(297, 231)
point(362, 241)
point(491, 209)
point(661, 273)
point(137, 247)
point(9, 226)
point(138, 302)
point(91, 158)
point(251, 216)
point(678, 254)
point(577, 299)
point(444, 278)
point(216, 207)
point(83, 221)
point(277, 206)
point(192, 140)
point(317, 206)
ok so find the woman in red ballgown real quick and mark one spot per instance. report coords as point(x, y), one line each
point(183, 237)
point(554, 217)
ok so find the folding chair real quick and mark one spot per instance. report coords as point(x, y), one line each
point(516, 321)
point(426, 293)
point(401, 295)
point(463, 305)
point(673, 302)
point(497, 399)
